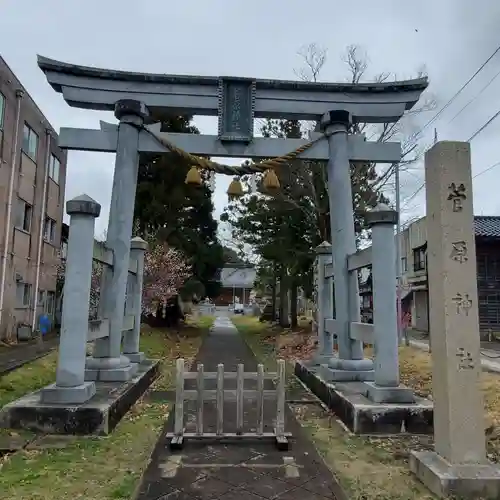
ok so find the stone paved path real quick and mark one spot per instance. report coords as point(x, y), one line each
point(243, 471)
point(16, 356)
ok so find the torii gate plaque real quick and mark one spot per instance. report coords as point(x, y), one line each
point(236, 109)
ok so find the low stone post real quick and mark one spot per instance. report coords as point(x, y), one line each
point(70, 386)
point(325, 306)
point(131, 339)
point(385, 388)
point(459, 465)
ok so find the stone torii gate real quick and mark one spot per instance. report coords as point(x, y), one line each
point(142, 101)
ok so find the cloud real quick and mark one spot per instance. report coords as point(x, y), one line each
point(450, 37)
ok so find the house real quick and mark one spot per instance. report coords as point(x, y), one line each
point(236, 282)
point(414, 276)
point(32, 180)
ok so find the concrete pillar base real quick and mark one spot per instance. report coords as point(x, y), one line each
point(465, 481)
point(350, 364)
point(135, 357)
point(123, 374)
point(331, 375)
point(319, 359)
point(398, 394)
point(106, 363)
point(54, 394)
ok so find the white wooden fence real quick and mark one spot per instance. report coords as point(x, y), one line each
point(221, 395)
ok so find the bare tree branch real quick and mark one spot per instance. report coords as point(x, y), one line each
point(314, 58)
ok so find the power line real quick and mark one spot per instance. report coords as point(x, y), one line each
point(480, 129)
point(487, 169)
point(475, 97)
point(491, 167)
point(438, 114)
point(413, 195)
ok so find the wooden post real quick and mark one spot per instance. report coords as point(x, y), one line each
point(240, 381)
point(200, 385)
point(220, 399)
point(280, 399)
point(260, 399)
point(179, 398)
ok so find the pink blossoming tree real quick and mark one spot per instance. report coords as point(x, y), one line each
point(165, 271)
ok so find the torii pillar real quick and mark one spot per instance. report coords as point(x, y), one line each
point(335, 125)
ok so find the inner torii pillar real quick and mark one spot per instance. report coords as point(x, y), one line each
point(335, 125)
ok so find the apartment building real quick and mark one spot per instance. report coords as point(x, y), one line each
point(415, 277)
point(32, 181)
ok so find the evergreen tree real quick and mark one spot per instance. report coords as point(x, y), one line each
point(179, 214)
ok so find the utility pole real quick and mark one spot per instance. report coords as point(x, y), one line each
point(398, 253)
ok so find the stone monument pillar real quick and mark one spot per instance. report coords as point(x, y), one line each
point(70, 386)
point(458, 466)
point(131, 338)
point(107, 358)
point(325, 306)
point(335, 125)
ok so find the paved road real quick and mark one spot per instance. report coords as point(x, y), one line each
point(16, 356)
point(244, 471)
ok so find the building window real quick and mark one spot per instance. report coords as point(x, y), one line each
point(366, 302)
point(54, 169)
point(419, 259)
point(404, 264)
point(41, 298)
point(23, 294)
point(51, 303)
point(30, 142)
point(2, 110)
point(49, 230)
point(64, 250)
point(24, 216)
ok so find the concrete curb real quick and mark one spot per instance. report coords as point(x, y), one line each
point(487, 365)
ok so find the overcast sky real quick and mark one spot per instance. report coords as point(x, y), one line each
point(452, 38)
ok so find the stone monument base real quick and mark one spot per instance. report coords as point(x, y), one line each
point(99, 415)
point(350, 403)
point(458, 481)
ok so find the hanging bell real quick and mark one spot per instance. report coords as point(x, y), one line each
point(235, 189)
point(193, 177)
point(271, 181)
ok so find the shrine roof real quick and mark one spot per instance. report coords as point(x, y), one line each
point(51, 65)
point(487, 226)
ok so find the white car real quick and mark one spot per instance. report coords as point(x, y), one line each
point(239, 308)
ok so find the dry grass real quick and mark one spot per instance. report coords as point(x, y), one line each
point(416, 372)
point(369, 468)
point(366, 469)
point(98, 468)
